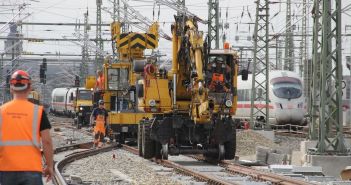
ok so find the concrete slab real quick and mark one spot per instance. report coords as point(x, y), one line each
point(304, 146)
point(296, 158)
point(320, 178)
point(332, 165)
point(274, 158)
point(340, 183)
point(308, 170)
point(281, 168)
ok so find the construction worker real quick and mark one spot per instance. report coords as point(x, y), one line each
point(99, 115)
point(24, 127)
point(218, 69)
point(99, 86)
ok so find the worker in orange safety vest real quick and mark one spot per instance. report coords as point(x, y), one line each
point(218, 69)
point(99, 115)
point(24, 130)
point(100, 82)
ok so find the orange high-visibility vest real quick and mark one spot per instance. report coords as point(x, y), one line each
point(100, 83)
point(100, 124)
point(20, 136)
point(216, 78)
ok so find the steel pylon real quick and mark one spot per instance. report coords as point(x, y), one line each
point(289, 42)
point(330, 113)
point(316, 63)
point(85, 51)
point(99, 43)
point(213, 24)
point(260, 86)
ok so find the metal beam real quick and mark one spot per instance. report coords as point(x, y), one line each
point(36, 39)
point(260, 86)
point(54, 24)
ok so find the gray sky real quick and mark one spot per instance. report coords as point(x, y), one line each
point(72, 11)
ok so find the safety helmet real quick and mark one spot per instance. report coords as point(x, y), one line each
point(101, 102)
point(20, 80)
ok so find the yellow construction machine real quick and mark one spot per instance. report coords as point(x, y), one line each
point(81, 98)
point(119, 93)
point(202, 88)
point(34, 97)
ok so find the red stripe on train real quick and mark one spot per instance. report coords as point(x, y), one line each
point(248, 106)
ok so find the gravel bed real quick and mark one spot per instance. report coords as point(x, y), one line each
point(63, 136)
point(126, 168)
point(248, 140)
point(289, 142)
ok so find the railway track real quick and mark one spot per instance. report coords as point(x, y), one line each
point(229, 167)
point(59, 165)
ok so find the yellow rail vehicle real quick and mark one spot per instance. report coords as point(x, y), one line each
point(121, 100)
point(34, 97)
point(202, 89)
point(120, 79)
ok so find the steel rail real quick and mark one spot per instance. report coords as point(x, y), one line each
point(261, 175)
point(208, 178)
point(58, 178)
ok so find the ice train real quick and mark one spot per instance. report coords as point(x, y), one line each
point(286, 98)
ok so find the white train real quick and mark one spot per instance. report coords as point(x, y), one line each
point(70, 101)
point(61, 103)
point(286, 105)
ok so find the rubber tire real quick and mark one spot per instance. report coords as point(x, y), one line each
point(148, 145)
point(121, 138)
point(140, 138)
point(140, 90)
point(230, 147)
point(158, 154)
point(79, 125)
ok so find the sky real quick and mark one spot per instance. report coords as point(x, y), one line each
point(239, 14)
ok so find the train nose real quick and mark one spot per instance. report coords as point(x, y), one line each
point(291, 116)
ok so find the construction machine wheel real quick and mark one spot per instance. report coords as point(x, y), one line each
point(164, 151)
point(230, 146)
point(221, 152)
point(120, 138)
point(148, 145)
point(140, 138)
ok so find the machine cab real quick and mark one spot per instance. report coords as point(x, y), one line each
point(118, 95)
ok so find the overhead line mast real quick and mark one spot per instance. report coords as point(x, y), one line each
point(99, 43)
point(261, 65)
point(213, 24)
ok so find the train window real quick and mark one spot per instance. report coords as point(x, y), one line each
point(84, 95)
point(59, 99)
point(240, 95)
point(117, 78)
point(287, 88)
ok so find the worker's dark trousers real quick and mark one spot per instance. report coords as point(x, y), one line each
point(21, 178)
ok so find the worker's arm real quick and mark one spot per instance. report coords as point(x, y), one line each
point(48, 153)
point(92, 117)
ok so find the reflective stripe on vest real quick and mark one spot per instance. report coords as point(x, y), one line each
point(34, 141)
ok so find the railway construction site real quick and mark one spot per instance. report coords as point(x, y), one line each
point(175, 92)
